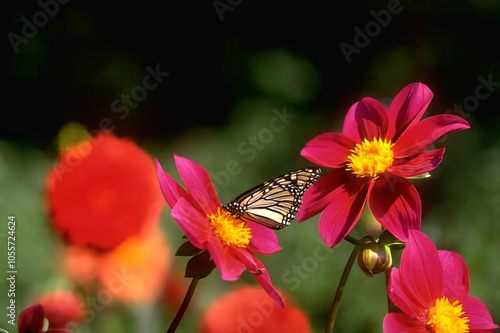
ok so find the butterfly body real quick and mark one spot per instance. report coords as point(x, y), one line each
point(275, 202)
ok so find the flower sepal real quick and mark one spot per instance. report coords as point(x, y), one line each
point(187, 249)
point(421, 176)
point(200, 266)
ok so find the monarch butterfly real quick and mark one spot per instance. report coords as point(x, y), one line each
point(275, 202)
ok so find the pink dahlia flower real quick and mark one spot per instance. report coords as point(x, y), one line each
point(431, 288)
point(230, 241)
point(371, 158)
point(31, 321)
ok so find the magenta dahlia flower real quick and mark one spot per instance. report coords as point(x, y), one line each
point(431, 288)
point(230, 241)
point(371, 158)
point(31, 320)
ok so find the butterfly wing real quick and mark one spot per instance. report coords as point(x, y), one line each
point(274, 203)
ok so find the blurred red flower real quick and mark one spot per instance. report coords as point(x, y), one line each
point(31, 321)
point(61, 308)
point(80, 264)
point(103, 191)
point(248, 309)
point(135, 271)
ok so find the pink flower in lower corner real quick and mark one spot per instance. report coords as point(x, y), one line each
point(371, 158)
point(230, 241)
point(431, 288)
point(31, 320)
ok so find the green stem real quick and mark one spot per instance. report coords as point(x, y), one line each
point(184, 305)
point(352, 240)
point(335, 306)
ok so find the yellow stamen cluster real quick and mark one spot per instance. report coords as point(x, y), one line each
point(370, 158)
point(230, 229)
point(446, 317)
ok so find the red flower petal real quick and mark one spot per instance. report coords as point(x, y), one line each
point(31, 319)
point(395, 203)
point(328, 149)
point(102, 192)
point(478, 314)
point(421, 135)
point(417, 165)
point(407, 108)
point(398, 322)
point(172, 191)
point(264, 240)
point(455, 275)
point(366, 119)
point(320, 194)
point(224, 257)
point(266, 284)
point(195, 225)
point(198, 183)
point(256, 267)
point(249, 260)
point(402, 297)
point(344, 210)
point(421, 270)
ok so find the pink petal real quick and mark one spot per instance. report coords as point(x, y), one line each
point(395, 203)
point(198, 183)
point(320, 194)
point(249, 260)
point(265, 281)
point(455, 276)
point(417, 165)
point(264, 240)
point(169, 187)
point(478, 314)
point(328, 149)
point(344, 210)
point(402, 297)
point(366, 119)
point(407, 108)
point(225, 258)
point(421, 270)
point(194, 224)
point(398, 323)
point(31, 319)
point(420, 136)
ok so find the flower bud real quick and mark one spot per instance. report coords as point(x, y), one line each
point(374, 259)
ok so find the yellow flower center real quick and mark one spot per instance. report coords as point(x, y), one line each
point(230, 229)
point(446, 317)
point(370, 158)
